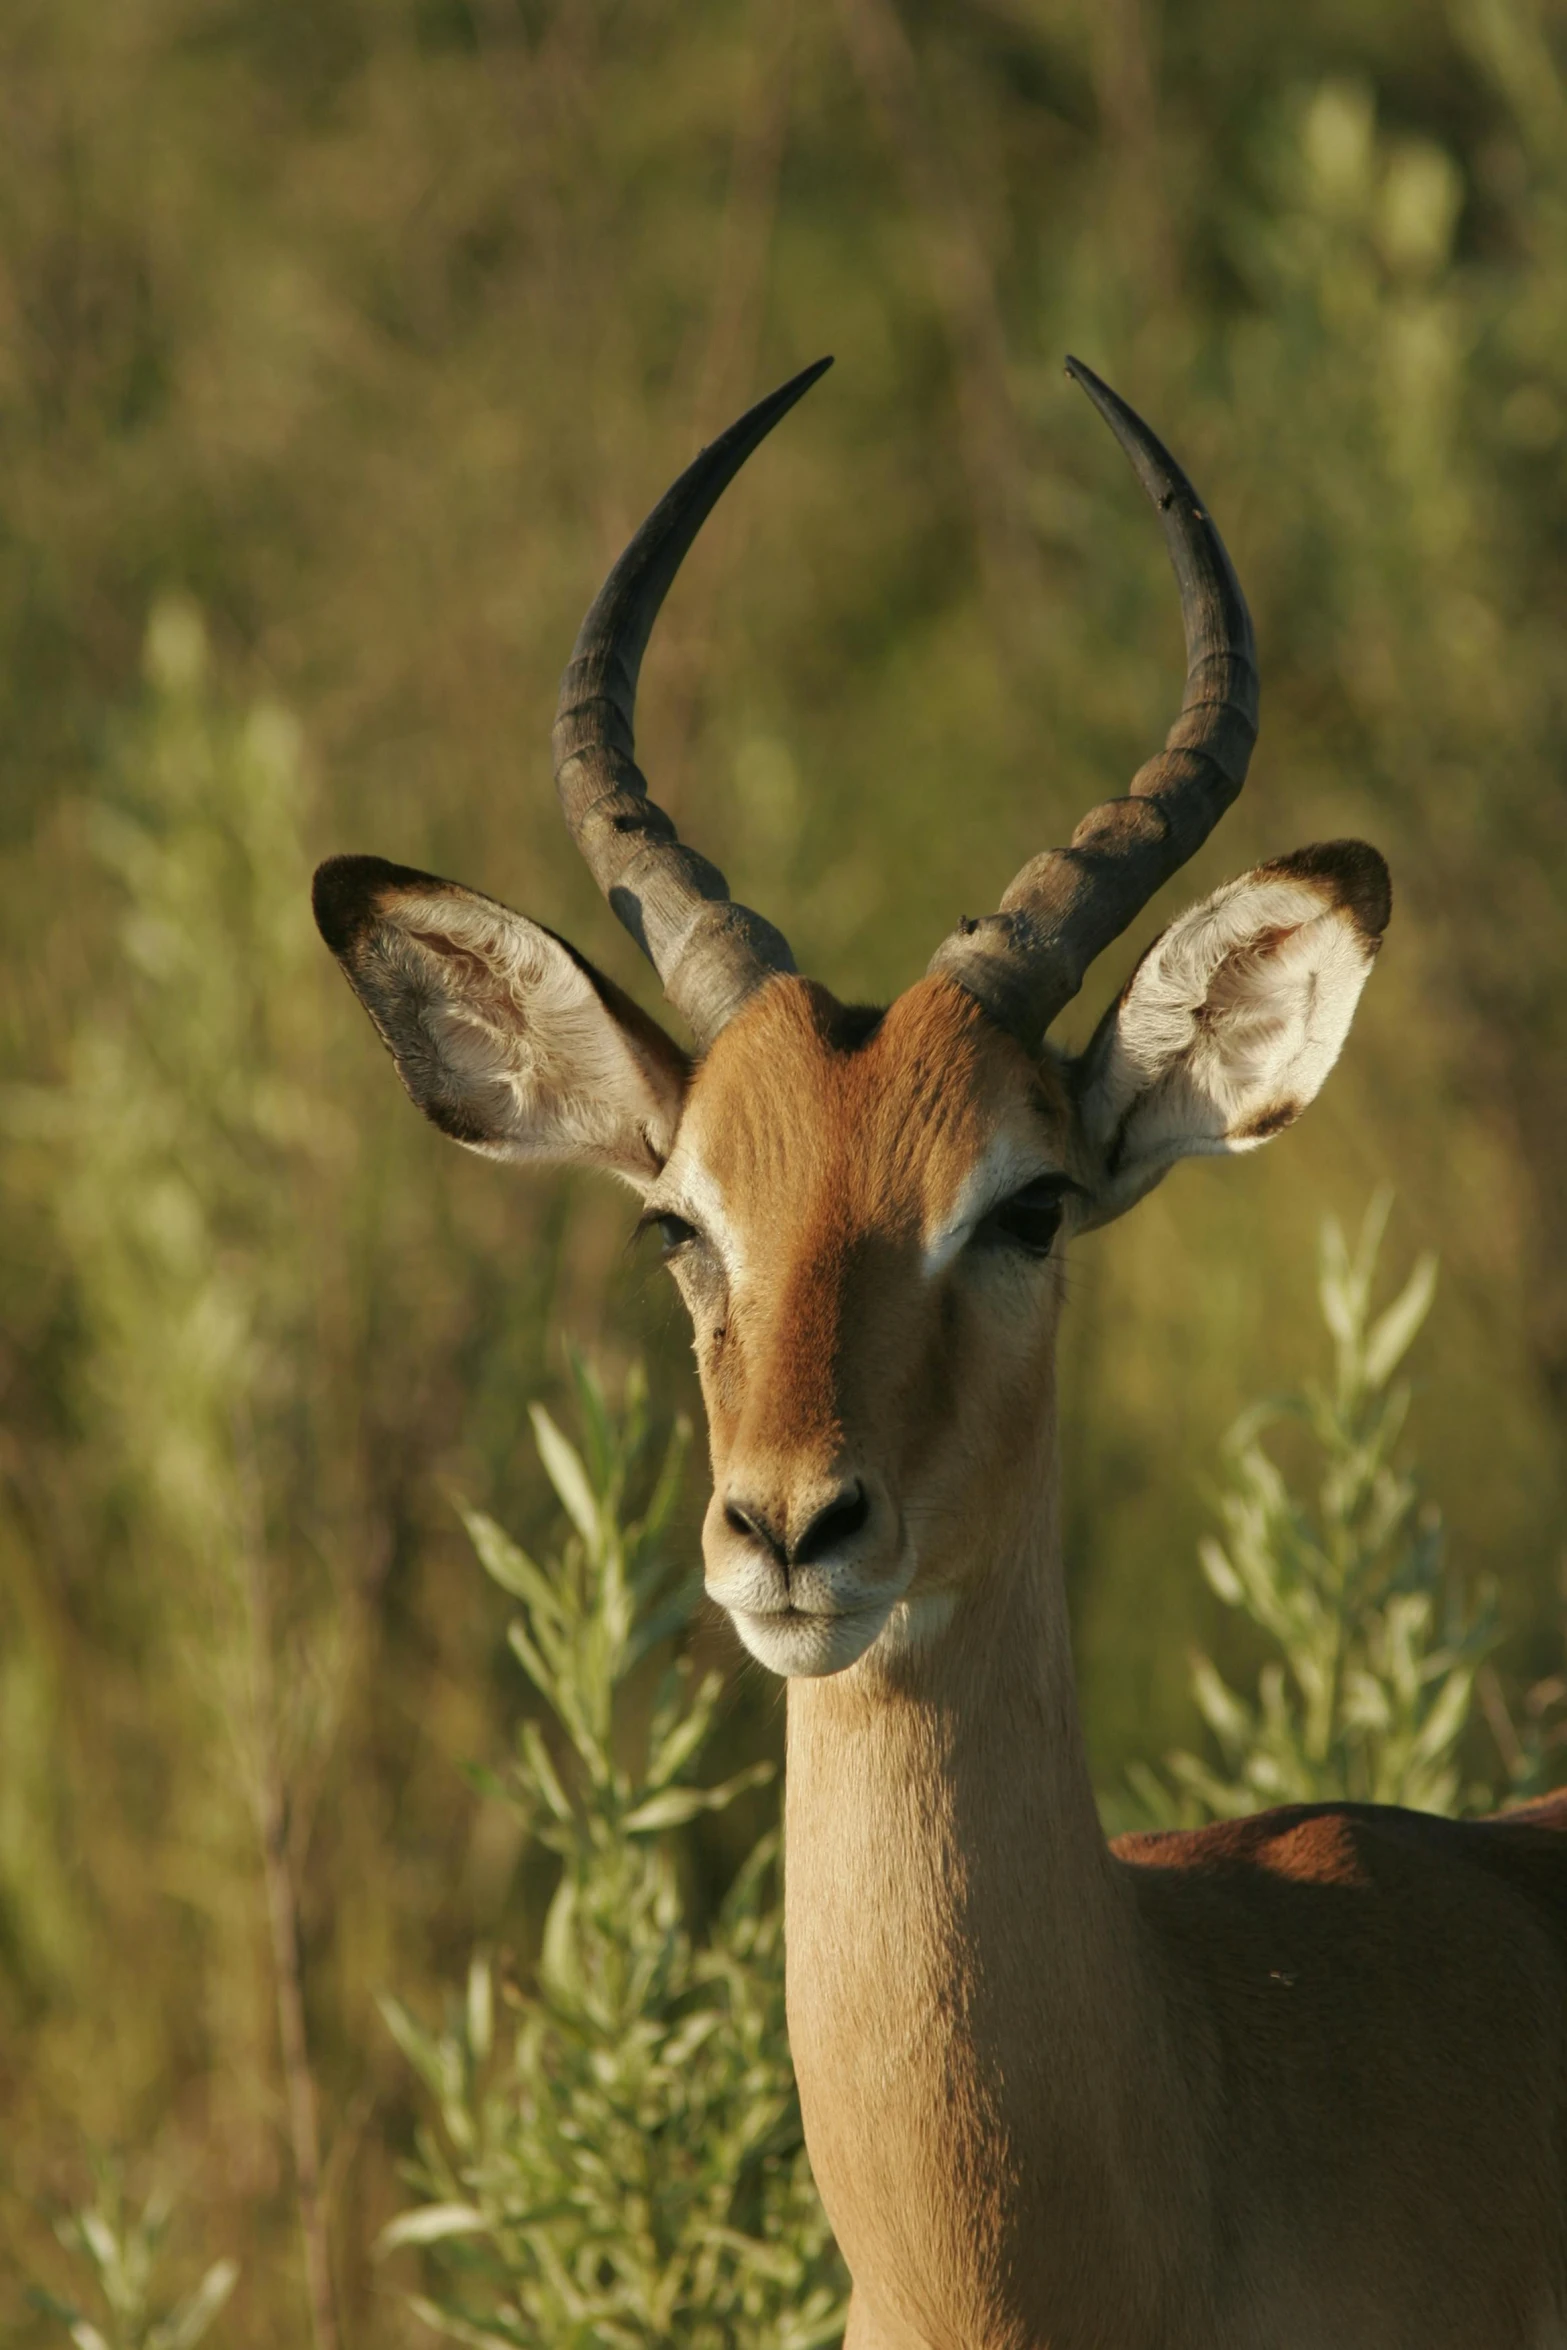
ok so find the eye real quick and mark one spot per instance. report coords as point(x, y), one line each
point(1029, 1220)
point(674, 1234)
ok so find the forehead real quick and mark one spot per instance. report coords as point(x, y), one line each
point(894, 1114)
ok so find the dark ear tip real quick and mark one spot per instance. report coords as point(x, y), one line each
point(1355, 872)
point(341, 899)
point(345, 893)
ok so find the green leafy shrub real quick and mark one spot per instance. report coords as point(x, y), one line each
point(180, 1160)
point(618, 2157)
point(1370, 1693)
point(119, 2247)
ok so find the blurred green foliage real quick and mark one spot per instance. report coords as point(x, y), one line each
point(618, 2158)
point(343, 343)
point(1368, 1694)
point(119, 2247)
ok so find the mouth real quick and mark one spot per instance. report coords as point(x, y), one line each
point(809, 1643)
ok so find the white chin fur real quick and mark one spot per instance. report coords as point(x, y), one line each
point(805, 1648)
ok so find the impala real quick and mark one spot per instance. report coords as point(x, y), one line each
point(1296, 2082)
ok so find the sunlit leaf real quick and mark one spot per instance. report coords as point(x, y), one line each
point(432, 2223)
point(563, 1465)
point(507, 1564)
point(1392, 1335)
point(194, 2317)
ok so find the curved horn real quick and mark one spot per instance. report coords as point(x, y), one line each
point(1027, 961)
point(709, 953)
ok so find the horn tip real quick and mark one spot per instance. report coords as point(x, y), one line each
point(1123, 421)
point(801, 383)
point(1078, 371)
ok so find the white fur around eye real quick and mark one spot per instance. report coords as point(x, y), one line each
point(688, 1188)
point(1009, 1162)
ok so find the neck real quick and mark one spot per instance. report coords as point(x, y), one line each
point(988, 2096)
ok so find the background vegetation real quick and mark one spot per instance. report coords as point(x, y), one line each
point(341, 344)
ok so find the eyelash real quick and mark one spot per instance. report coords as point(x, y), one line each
point(1028, 1221)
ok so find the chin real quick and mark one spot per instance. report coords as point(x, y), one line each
point(800, 1647)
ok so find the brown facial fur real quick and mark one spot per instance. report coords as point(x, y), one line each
point(819, 1168)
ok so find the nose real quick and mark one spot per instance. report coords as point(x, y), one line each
point(836, 1521)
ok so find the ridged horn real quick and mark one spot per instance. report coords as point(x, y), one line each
point(1027, 961)
point(710, 954)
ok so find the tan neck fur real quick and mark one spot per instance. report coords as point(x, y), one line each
point(989, 2096)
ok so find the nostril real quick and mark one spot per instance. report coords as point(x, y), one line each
point(839, 1522)
point(751, 1523)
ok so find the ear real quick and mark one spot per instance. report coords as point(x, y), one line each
point(501, 1032)
point(1232, 1020)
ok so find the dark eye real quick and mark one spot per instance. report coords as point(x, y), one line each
point(674, 1233)
point(1029, 1220)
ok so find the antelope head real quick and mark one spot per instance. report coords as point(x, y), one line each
point(865, 1211)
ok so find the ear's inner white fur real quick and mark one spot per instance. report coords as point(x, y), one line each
point(1228, 1027)
point(503, 1034)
